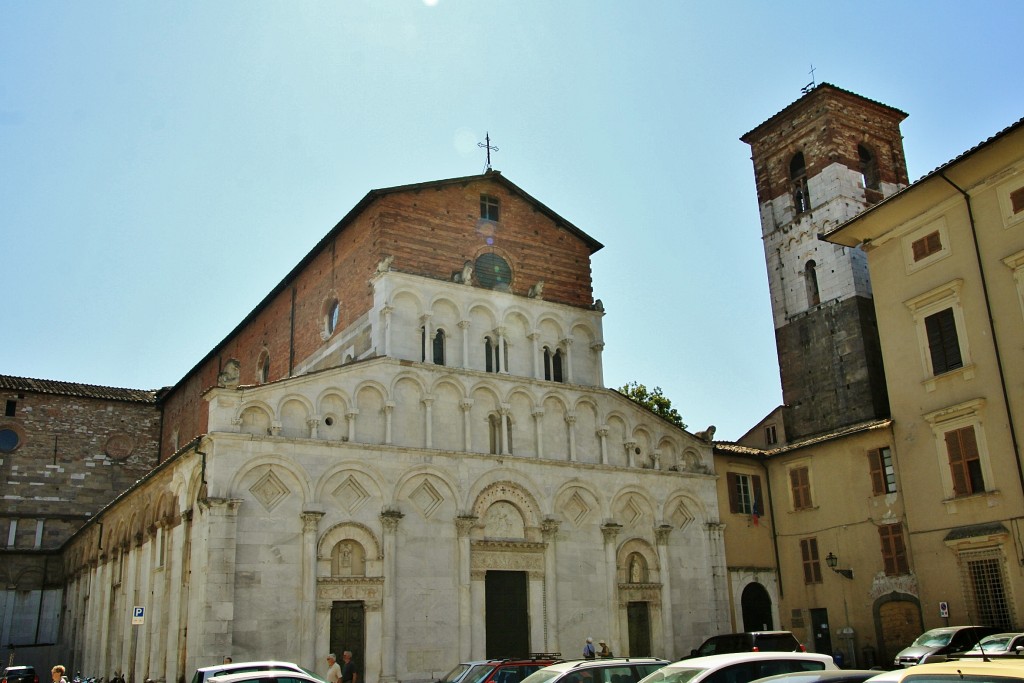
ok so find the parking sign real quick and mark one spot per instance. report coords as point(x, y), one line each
point(138, 615)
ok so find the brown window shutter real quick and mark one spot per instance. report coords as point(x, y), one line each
point(919, 249)
point(957, 466)
point(732, 483)
point(877, 470)
point(758, 501)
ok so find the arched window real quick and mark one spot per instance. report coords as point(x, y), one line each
point(439, 347)
point(811, 282)
point(798, 178)
point(494, 359)
point(553, 364)
point(263, 368)
point(492, 272)
point(436, 346)
point(332, 313)
point(494, 431)
point(868, 168)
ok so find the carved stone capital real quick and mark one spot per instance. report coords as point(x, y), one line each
point(466, 404)
point(390, 519)
point(425, 318)
point(597, 346)
point(602, 431)
point(427, 400)
point(351, 415)
point(538, 412)
point(463, 324)
point(388, 406)
point(570, 418)
point(549, 527)
point(464, 524)
point(504, 409)
point(387, 310)
point(310, 521)
point(500, 331)
point(661, 533)
point(275, 428)
point(567, 342)
point(533, 336)
point(610, 530)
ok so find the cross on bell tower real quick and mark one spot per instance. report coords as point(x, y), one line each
point(489, 147)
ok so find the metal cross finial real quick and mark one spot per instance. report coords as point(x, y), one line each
point(488, 146)
point(810, 86)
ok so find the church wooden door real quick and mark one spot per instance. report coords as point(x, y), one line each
point(638, 619)
point(347, 632)
point(507, 620)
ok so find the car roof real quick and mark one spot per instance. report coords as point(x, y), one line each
point(604, 661)
point(265, 663)
point(823, 675)
point(19, 667)
point(262, 673)
point(712, 661)
point(1011, 668)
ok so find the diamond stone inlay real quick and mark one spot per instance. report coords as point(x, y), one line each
point(576, 510)
point(269, 490)
point(632, 512)
point(351, 495)
point(426, 499)
point(681, 517)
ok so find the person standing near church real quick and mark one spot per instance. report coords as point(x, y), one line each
point(348, 672)
point(588, 649)
point(333, 670)
point(604, 651)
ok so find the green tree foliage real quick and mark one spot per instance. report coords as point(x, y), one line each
point(653, 400)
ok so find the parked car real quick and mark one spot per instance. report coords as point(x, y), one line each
point(939, 643)
point(20, 674)
point(204, 674)
point(960, 671)
point(509, 670)
point(749, 641)
point(823, 676)
point(611, 670)
point(267, 676)
point(739, 667)
point(998, 644)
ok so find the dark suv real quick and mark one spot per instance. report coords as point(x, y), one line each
point(20, 674)
point(749, 641)
point(499, 670)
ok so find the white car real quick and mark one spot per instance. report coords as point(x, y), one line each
point(601, 670)
point(267, 676)
point(739, 667)
point(204, 674)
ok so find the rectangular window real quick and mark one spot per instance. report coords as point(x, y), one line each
point(894, 552)
point(883, 475)
point(812, 566)
point(983, 573)
point(771, 436)
point(489, 207)
point(744, 493)
point(964, 461)
point(1017, 200)
point(943, 343)
point(10, 409)
point(926, 246)
point(800, 485)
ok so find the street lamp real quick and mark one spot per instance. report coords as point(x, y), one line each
point(832, 561)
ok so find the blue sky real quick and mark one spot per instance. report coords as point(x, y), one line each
point(164, 164)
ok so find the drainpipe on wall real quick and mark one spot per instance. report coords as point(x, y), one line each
point(775, 535)
point(992, 328)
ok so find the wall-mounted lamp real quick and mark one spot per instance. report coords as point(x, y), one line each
point(832, 561)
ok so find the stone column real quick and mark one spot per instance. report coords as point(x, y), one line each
point(661, 534)
point(220, 588)
point(464, 326)
point(314, 423)
point(719, 587)
point(428, 427)
point(464, 526)
point(538, 426)
point(534, 338)
point(503, 411)
point(610, 531)
point(502, 358)
point(389, 407)
point(175, 585)
point(389, 520)
point(350, 417)
point(549, 528)
point(570, 422)
point(386, 311)
point(656, 459)
point(307, 625)
point(478, 610)
point(598, 347)
point(630, 447)
point(567, 369)
point(602, 434)
point(467, 405)
point(426, 340)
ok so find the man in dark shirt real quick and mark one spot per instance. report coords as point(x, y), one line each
point(348, 669)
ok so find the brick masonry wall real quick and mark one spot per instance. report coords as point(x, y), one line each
point(430, 231)
point(75, 455)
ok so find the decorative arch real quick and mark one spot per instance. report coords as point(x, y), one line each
point(354, 531)
point(632, 506)
point(579, 504)
point(271, 477)
point(510, 492)
point(255, 418)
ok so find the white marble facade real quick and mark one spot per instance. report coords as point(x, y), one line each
point(400, 483)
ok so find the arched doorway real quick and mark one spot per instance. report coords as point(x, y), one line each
point(897, 623)
point(757, 608)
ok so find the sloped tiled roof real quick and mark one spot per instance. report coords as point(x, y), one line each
point(731, 448)
point(49, 386)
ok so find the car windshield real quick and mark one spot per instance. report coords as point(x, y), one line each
point(541, 676)
point(993, 643)
point(478, 673)
point(673, 675)
point(315, 675)
point(936, 638)
point(455, 673)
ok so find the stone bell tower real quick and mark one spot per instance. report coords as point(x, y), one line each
point(817, 163)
